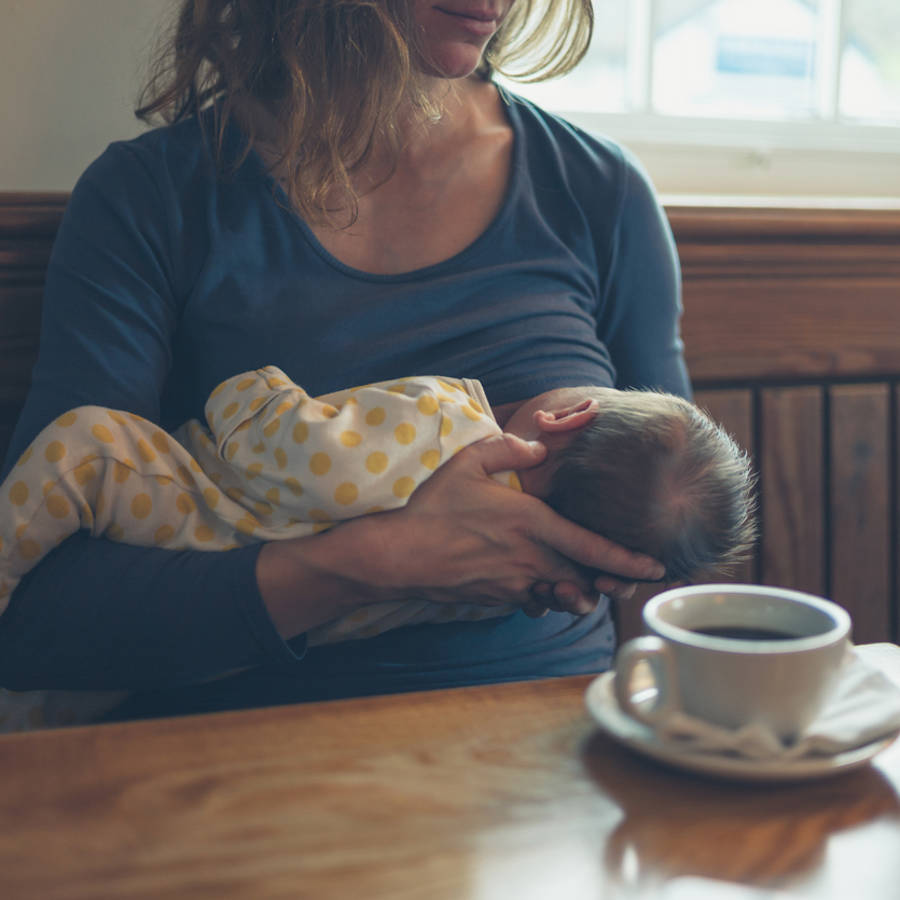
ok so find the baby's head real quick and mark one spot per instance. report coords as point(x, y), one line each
point(652, 472)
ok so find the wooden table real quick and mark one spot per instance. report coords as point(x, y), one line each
point(503, 791)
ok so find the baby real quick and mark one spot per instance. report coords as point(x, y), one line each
point(647, 470)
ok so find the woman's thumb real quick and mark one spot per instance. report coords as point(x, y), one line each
point(506, 451)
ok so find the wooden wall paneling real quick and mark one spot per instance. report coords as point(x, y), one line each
point(20, 314)
point(765, 327)
point(733, 409)
point(859, 554)
point(28, 224)
point(767, 292)
point(791, 488)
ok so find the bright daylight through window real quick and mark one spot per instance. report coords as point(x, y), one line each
point(812, 77)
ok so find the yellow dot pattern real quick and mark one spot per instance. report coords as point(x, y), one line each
point(163, 534)
point(376, 416)
point(346, 493)
point(141, 506)
point(403, 487)
point(102, 433)
point(55, 451)
point(160, 441)
point(427, 404)
point(85, 473)
point(297, 468)
point(58, 506)
point(430, 459)
point(145, 451)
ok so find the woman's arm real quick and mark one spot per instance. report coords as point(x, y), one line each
point(462, 537)
point(641, 309)
point(96, 614)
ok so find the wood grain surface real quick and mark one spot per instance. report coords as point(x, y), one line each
point(501, 792)
point(860, 487)
point(734, 410)
point(789, 293)
point(793, 508)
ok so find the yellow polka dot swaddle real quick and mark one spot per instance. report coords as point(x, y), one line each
point(273, 463)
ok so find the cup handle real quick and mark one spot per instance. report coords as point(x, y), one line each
point(658, 656)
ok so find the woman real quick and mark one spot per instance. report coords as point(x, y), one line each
point(344, 193)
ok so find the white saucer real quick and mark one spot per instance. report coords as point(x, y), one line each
point(602, 704)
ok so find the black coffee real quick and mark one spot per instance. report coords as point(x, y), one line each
point(746, 633)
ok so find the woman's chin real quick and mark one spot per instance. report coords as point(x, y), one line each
point(454, 61)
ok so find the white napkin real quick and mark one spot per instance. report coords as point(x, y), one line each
point(863, 706)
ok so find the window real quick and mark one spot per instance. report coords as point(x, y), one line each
point(769, 95)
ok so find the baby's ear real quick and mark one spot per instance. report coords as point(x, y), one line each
point(569, 418)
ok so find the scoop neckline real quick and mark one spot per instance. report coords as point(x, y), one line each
point(280, 197)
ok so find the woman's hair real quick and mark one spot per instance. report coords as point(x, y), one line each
point(330, 77)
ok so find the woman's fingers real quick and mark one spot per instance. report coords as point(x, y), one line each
point(592, 550)
point(570, 540)
point(465, 536)
point(614, 588)
point(570, 598)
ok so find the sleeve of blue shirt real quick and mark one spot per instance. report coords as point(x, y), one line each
point(97, 614)
point(644, 293)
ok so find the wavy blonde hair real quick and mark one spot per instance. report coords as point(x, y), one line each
point(302, 63)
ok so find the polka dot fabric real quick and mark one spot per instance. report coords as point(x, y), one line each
point(270, 463)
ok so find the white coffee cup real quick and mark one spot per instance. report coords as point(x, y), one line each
point(741, 673)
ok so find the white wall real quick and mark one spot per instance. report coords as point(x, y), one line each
point(70, 71)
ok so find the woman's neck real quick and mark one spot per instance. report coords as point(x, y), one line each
point(463, 107)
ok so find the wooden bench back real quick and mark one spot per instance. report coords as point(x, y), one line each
point(792, 335)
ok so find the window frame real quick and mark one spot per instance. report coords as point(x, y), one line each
point(828, 155)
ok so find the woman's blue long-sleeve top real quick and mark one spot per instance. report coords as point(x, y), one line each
point(166, 279)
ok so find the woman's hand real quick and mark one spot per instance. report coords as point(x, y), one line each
point(464, 537)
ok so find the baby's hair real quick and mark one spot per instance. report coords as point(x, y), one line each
point(656, 474)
